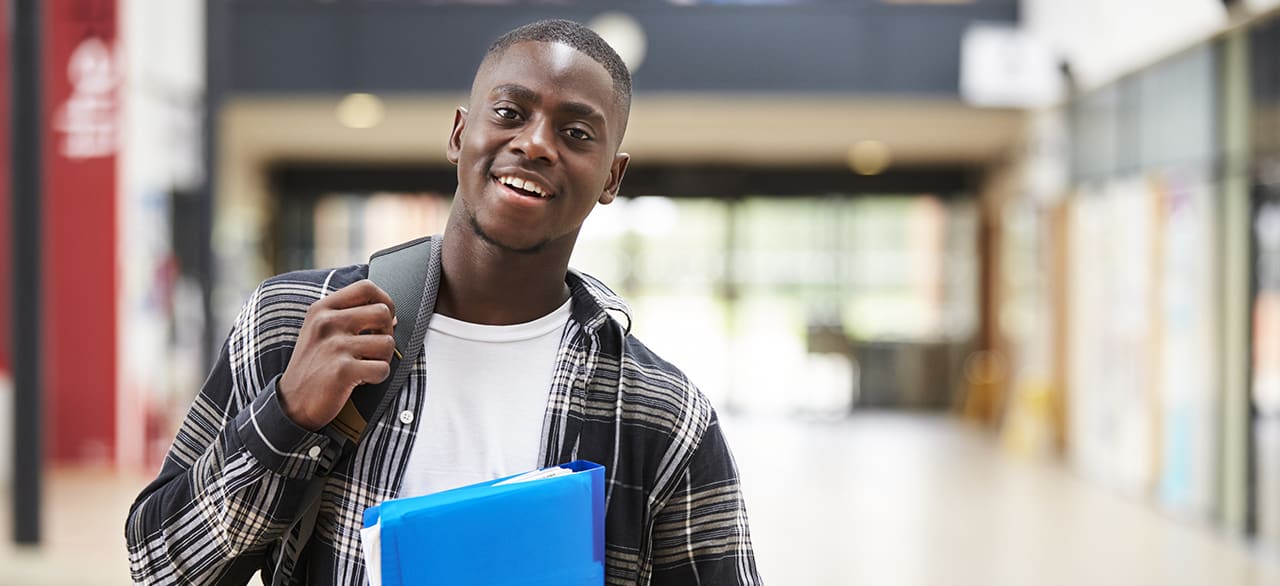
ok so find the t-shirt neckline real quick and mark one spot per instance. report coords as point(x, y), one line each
point(529, 330)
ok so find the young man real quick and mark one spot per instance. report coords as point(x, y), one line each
point(522, 368)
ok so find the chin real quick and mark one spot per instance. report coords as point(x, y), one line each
point(507, 244)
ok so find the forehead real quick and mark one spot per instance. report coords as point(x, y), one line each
point(555, 71)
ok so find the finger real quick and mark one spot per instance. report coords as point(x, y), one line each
point(359, 293)
point(375, 347)
point(372, 319)
point(370, 372)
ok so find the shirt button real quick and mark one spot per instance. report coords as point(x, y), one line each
point(314, 452)
point(406, 417)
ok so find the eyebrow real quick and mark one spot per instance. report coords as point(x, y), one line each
point(516, 91)
point(522, 93)
point(581, 110)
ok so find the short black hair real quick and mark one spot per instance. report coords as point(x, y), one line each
point(579, 37)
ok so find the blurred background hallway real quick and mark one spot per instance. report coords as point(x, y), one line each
point(986, 291)
point(877, 499)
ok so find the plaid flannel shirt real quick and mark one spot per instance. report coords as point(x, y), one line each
point(234, 477)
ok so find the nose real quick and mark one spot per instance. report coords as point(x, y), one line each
point(536, 141)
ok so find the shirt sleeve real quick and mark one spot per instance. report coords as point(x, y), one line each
point(700, 535)
point(234, 476)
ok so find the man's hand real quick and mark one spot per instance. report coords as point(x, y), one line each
point(347, 339)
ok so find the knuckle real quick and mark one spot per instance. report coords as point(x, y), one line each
point(321, 319)
point(371, 289)
point(334, 345)
point(347, 370)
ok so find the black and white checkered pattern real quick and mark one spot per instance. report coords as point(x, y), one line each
point(238, 468)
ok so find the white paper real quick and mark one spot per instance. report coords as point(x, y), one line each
point(536, 475)
point(371, 543)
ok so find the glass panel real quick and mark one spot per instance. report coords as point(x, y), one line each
point(771, 304)
point(340, 229)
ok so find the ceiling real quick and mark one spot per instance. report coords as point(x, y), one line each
point(694, 129)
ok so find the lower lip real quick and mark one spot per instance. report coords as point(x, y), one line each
point(519, 198)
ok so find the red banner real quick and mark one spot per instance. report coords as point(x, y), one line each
point(81, 95)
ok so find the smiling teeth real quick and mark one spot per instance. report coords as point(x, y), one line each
point(519, 183)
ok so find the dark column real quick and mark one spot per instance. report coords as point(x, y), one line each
point(26, 334)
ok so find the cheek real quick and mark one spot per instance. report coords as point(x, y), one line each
point(473, 154)
point(599, 178)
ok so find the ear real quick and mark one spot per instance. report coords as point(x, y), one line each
point(455, 137)
point(616, 171)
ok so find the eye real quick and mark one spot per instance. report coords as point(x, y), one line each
point(578, 133)
point(506, 113)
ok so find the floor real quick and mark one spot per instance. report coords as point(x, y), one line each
point(903, 500)
point(880, 499)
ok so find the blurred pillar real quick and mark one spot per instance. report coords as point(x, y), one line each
point(1234, 240)
point(729, 286)
point(27, 333)
point(6, 177)
point(986, 379)
point(217, 73)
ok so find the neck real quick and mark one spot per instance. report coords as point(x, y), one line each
point(485, 284)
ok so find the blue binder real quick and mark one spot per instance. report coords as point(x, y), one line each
point(540, 532)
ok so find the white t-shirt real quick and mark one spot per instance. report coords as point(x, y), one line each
point(487, 389)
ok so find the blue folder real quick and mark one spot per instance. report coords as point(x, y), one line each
point(540, 532)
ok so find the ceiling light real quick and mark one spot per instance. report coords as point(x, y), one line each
point(624, 34)
point(360, 111)
point(869, 157)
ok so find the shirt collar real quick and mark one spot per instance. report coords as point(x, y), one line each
point(594, 303)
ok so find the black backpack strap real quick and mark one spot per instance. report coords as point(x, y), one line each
point(297, 535)
point(410, 274)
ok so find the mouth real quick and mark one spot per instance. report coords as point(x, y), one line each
point(524, 187)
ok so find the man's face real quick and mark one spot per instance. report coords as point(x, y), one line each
point(538, 146)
